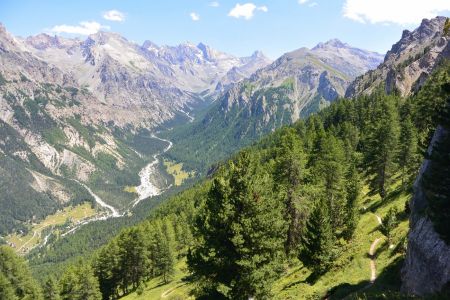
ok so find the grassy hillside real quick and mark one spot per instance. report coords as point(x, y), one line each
point(351, 274)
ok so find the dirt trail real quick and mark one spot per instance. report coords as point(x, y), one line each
point(167, 292)
point(373, 269)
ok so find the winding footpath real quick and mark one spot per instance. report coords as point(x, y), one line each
point(373, 269)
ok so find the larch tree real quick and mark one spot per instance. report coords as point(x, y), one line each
point(240, 233)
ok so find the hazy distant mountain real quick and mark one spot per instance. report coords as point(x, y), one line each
point(296, 84)
point(409, 62)
point(146, 84)
point(65, 110)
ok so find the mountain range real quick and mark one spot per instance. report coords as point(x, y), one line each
point(293, 86)
point(106, 121)
point(81, 112)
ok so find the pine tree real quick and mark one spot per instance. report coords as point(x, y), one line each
point(351, 212)
point(316, 250)
point(134, 258)
point(51, 289)
point(79, 283)
point(389, 222)
point(17, 275)
point(240, 232)
point(382, 146)
point(162, 254)
point(329, 172)
point(6, 289)
point(436, 180)
point(409, 157)
point(289, 173)
point(107, 269)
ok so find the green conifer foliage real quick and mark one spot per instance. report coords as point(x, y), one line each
point(240, 232)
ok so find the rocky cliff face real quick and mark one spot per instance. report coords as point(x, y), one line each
point(427, 264)
point(409, 62)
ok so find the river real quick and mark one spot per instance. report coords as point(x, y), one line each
point(146, 189)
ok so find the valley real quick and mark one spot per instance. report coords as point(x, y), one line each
point(150, 185)
point(59, 223)
point(131, 169)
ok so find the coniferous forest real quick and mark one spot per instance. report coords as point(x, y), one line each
point(290, 199)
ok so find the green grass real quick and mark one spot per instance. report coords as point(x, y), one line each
point(176, 170)
point(157, 289)
point(24, 243)
point(350, 274)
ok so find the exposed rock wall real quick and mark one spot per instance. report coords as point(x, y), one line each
point(427, 264)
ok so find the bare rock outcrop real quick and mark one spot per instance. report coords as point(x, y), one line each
point(427, 264)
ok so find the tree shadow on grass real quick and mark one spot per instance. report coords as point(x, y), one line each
point(342, 290)
point(386, 286)
point(389, 198)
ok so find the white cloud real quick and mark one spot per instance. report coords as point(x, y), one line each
point(246, 10)
point(194, 16)
point(84, 28)
point(114, 15)
point(302, 1)
point(214, 4)
point(263, 8)
point(314, 4)
point(401, 12)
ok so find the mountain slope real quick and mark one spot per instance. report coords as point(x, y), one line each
point(54, 139)
point(146, 85)
point(75, 117)
point(295, 85)
point(409, 62)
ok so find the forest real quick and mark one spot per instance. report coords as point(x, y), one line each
point(289, 198)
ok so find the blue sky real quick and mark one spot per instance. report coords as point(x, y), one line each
point(237, 27)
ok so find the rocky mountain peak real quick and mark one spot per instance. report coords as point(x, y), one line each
point(103, 37)
point(2, 28)
point(43, 41)
point(409, 62)
point(333, 43)
point(149, 45)
point(421, 35)
point(258, 54)
point(206, 50)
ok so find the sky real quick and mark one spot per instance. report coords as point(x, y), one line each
point(237, 27)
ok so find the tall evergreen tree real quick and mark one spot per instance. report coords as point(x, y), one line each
point(329, 172)
point(51, 289)
point(17, 276)
point(436, 180)
point(289, 173)
point(79, 283)
point(382, 146)
point(107, 269)
point(316, 250)
point(240, 232)
point(351, 212)
point(409, 157)
point(162, 254)
point(134, 258)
